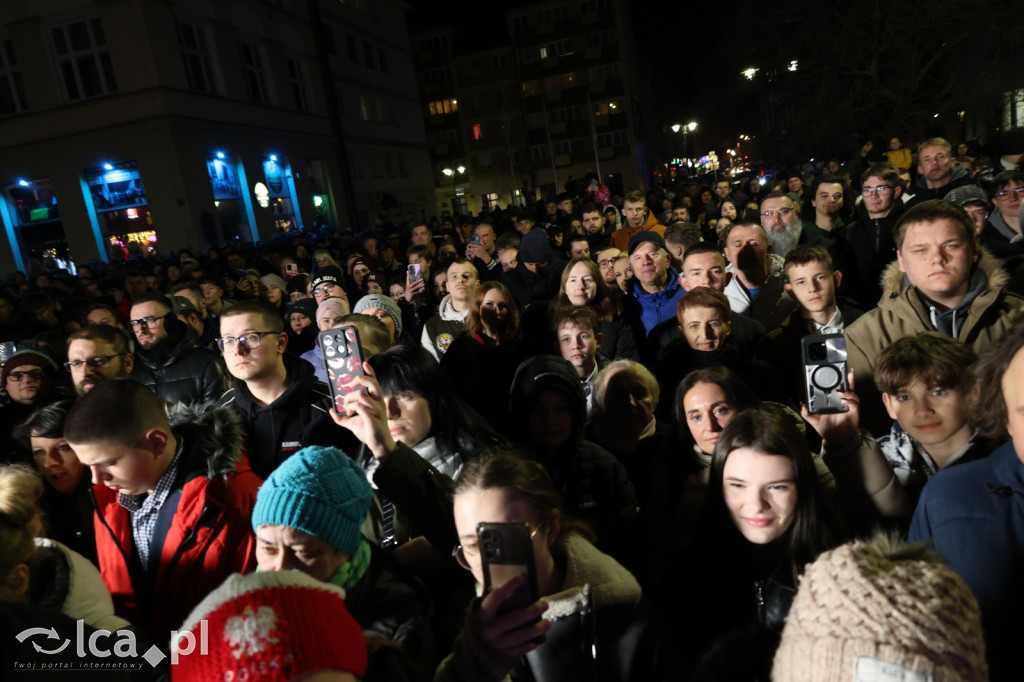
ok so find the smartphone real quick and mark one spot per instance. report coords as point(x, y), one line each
point(824, 357)
point(506, 551)
point(343, 360)
point(291, 267)
point(415, 272)
point(475, 239)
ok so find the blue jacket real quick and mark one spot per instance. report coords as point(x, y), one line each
point(650, 309)
point(974, 514)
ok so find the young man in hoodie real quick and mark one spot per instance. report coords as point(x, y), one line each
point(940, 282)
point(441, 329)
point(277, 395)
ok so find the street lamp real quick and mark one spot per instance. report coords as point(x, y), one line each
point(454, 173)
point(686, 130)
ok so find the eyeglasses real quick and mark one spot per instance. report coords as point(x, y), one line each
point(147, 322)
point(880, 190)
point(782, 212)
point(463, 554)
point(248, 341)
point(606, 263)
point(1016, 191)
point(33, 374)
point(324, 289)
point(95, 362)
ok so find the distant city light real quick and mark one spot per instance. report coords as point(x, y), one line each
point(792, 65)
point(107, 166)
point(220, 155)
point(749, 73)
point(273, 157)
point(23, 183)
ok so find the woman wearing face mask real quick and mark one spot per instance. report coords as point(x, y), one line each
point(582, 284)
point(591, 621)
point(482, 361)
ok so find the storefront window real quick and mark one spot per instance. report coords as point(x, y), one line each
point(35, 214)
point(119, 205)
point(232, 211)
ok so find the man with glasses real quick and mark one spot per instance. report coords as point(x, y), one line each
point(606, 262)
point(276, 395)
point(866, 246)
point(30, 379)
point(171, 361)
point(1002, 235)
point(97, 353)
point(327, 283)
point(780, 218)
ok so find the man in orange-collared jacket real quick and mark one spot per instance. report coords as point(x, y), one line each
point(173, 499)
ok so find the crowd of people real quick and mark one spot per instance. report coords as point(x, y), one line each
point(623, 376)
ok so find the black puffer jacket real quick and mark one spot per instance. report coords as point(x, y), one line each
point(275, 431)
point(179, 369)
point(594, 485)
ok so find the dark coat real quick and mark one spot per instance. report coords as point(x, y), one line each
point(180, 370)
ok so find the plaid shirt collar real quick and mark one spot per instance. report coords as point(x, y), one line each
point(147, 501)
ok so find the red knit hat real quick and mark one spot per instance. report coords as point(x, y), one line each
point(269, 626)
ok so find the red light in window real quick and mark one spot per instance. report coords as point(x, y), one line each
point(477, 131)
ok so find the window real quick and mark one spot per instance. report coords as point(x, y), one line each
point(252, 70)
point(484, 162)
point(478, 131)
point(529, 88)
point(491, 201)
point(566, 114)
point(446, 137)
point(434, 42)
point(298, 84)
point(366, 107)
point(529, 55)
point(1013, 109)
point(389, 168)
point(540, 152)
point(573, 146)
point(519, 23)
point(594, 5)
point(518, 197)
point(382, 60)
point(83, 59)
point(444, 106)
point(607, 107)
point(196, 52)
point(564, 81)
point(438, 75)
point(353, 49)
point(513, 157)
point(368, 54)
point(549, 14)
point(602, 73)
point(536, 120)
point(12, 93)
point(619, 138)
point(374, 164)
point(607, 37)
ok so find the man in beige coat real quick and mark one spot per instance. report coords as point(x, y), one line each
point(939, 282)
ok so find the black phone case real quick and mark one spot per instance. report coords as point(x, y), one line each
point(343, 360)
point(506, 550)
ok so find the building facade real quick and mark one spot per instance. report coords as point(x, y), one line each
point(130, 126)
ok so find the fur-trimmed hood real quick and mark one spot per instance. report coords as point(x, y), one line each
point(213, 438)
point(894, 282)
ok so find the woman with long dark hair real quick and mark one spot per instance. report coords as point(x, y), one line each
point(582, 284)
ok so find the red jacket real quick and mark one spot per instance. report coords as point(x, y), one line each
point(209, 538)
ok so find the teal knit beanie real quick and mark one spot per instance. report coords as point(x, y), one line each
point(320, 491)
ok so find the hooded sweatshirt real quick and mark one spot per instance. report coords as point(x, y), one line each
point(276, 431)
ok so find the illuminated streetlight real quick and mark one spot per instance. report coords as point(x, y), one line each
point(453, 173)
point(749, 73)
point(691, 126)
point(792, 65)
